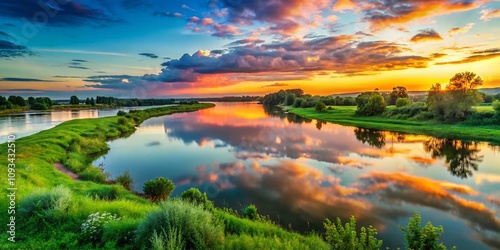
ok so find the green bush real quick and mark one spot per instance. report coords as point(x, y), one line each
point(346, 237)
point(122, 120)
point(401, 102)
point(164, 241)
point(94, 174)
point(46, 204)
point(198, 228)
point(126, 180)
point(370, 103)
point(194, 196)
point(121, 113)
point(496, 106)
point(158, 189)
point(121, 232)
point(104, 192)
point(320, 106)
point(425, 238)
point(250, 212)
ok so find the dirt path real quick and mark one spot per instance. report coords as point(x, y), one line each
point(64, 170)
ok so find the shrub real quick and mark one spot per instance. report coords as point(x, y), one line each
point(164, 241)
point(46, 204)
point(418, 238)
point(94, 174)
point(345, 237)
point(120, 232)
point(496, 106)
point(197, 228)
point(401, 102)
point(158, 189)
point(370, 103)
point(250, 212)
point(125, 179)
point(320, 106)
point(249, 242)
point(122, 120)
point(92, 228)
point(194, 196)
point(104, 192)
point(121, 113)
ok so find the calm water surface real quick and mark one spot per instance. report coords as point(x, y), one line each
point(28, 123)
point(301, 171)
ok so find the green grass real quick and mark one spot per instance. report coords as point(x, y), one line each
point(344, 115)
point(484, 108)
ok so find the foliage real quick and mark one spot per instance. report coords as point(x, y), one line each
point(250, 242)
point(121, 113)
point(455, 103)
point(250, 212)
point(120, 232)
point(320, 106)
point(401, 102)
point(74, 100)
point(397, 92)
point(193, 195)
point(425, 238)
point(158, 189)
point(290, 99)
point(94, 174)
point(496, 106)
point(369, 104)
point(346, 237)
point(297, 102)
point(104, 193)
point(280, 97)
point(46, 204)
point(92, 228)
point(125, 179)
point(198, 228)
point(164, 241)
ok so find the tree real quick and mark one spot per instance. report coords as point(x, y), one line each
point(74, 100)
point(456, 101)
point(401, 102)
point(87, 101)
point(290, 99)
point(320, 106)
point(158, 189)
point(92, 102)
point(370, 103)
point(425, 238)
point(397, 92)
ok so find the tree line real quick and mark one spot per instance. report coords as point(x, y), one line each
point(16, 102)
point(450, 104)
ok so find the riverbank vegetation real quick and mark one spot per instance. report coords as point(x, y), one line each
point(58, 212)
point(450, 112)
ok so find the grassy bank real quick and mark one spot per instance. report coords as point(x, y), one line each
point(52, 208)
point(344, 115)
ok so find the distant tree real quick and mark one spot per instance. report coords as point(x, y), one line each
point(401, 102)
point(74, 100)
point(92, 101)
point(297, 102)
point(31, 101)
point(370, 103)
point(39, 106)
point(290, 99)
point(87, 101)
point(320, 106)
point(17, 101)
point(397, 92)
point(496, 106)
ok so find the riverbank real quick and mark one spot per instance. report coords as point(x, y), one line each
point(344, 115)
point(52, 207)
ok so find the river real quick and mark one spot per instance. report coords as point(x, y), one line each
point(300, 171)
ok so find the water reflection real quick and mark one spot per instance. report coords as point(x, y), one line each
point(462, 158)
point(300, 171)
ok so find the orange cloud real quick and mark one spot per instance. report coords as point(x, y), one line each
point(342, 5)
point(488, 14)
point(460, 30)
point(425, 36)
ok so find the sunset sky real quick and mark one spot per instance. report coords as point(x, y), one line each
point(174, 48)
